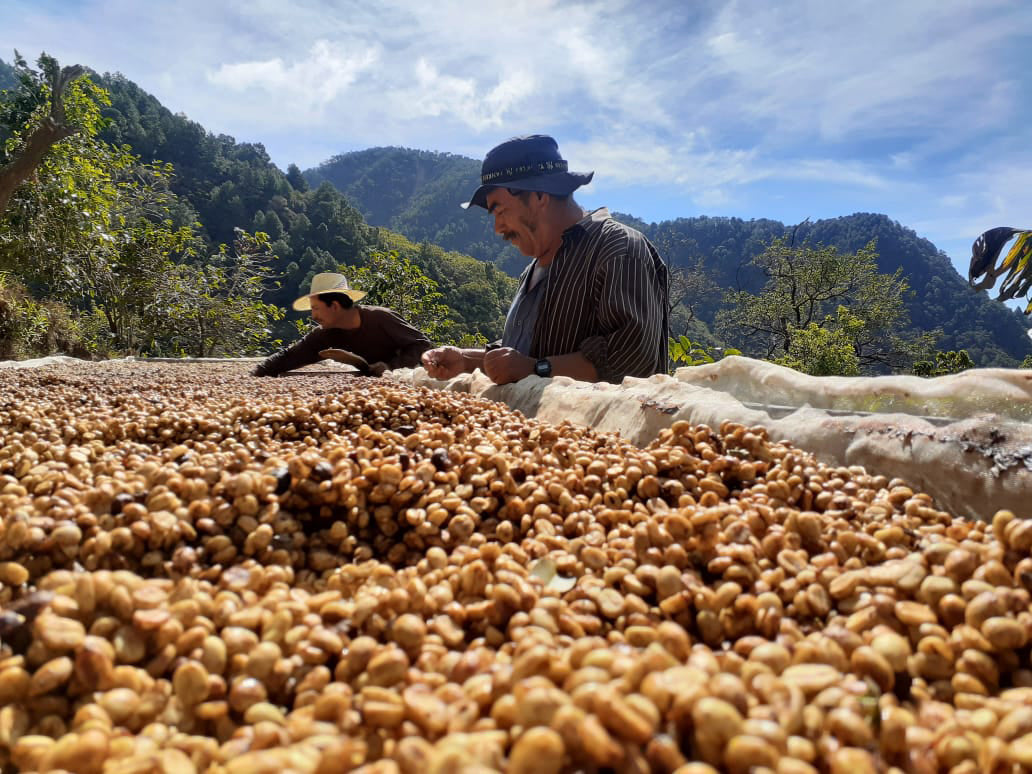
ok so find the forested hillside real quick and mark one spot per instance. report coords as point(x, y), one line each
point(7, 77)
point(417, 192)
point(220, 185)
point(312, 228)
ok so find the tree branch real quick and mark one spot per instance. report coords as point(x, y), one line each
point(50, 131)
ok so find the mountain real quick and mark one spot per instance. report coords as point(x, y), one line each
point(8, 79)
point(222, 185)
point(416, 193)
point(312, 229)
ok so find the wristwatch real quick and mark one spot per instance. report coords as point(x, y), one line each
point(543, 368)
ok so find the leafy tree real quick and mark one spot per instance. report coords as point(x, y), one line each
point(392, 280)
point(689, 288)
point(104, 232)
point(39, 107)
point(296, 178)
point(945, 363)
point(804, 284)
point(827, 350)
point(476, 294)
point(1027, 362)
point(93, 227)
point(215, 307)
point(684, 351)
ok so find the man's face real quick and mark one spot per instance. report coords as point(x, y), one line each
point(515, 220)
point(325, 315)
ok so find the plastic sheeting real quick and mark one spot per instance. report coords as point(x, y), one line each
point(963, 439)
point(41, 361)
point(1006, 392)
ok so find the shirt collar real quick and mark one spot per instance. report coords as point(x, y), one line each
point(595, 216)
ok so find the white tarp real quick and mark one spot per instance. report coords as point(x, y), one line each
point(41, 361)
point(1006, 392)
point(961, 438)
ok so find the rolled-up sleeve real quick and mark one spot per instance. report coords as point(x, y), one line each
point(631, 292)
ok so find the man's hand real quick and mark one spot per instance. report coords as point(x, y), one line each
point(505, 365)
point(443, 362)
point(377, 368)
point(348, 358)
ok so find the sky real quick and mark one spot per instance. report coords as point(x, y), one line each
point(921, 109)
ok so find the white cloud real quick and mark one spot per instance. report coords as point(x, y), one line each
point(831, 71)
point(314, 82)
point(436, 94)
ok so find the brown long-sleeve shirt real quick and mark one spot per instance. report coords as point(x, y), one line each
point(383, 337)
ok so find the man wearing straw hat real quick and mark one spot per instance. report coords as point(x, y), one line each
point(592, 305)
point(380, 338)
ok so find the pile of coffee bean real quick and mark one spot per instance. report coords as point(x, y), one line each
point(205, 571)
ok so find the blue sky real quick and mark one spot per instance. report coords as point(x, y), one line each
point(786, 110)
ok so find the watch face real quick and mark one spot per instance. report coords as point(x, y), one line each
point(543, 368)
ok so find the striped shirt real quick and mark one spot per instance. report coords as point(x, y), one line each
point(606, 297)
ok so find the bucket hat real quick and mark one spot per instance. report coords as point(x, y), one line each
point(530, 163)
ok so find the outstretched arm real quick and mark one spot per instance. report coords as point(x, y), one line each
point(298, 354)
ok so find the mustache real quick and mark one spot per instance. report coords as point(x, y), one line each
point(508, 236)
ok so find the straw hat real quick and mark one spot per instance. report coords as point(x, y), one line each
point(327, 282)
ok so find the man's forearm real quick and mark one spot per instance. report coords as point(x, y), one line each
point(299, 354)
point(575, 366)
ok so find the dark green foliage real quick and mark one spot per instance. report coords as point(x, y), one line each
point(8, 76)
point(232, 186)
point(33, 328)
point(685, 352)
point(311, 228)
point(393, 281)
point(939, 298)
point(214, 305)
point(827, 349)
point(100, 230)
point(791, 315)
point(417, 193)
point(992, 334)
point(22, 98)
point(476, 294)
point(945, 363)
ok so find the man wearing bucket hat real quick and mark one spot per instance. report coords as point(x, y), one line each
point(378, 336)
point(593, 303)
